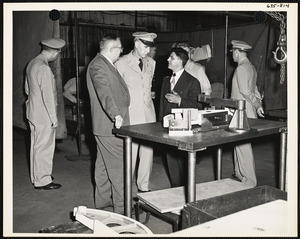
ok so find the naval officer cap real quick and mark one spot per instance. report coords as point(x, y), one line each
point(54, 43)
point(145, 37)
point(240, 45)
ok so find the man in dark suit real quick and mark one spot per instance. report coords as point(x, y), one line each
point(178, 91)
point(109, 98)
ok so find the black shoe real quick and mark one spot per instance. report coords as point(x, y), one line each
point(141, 191)
point(49, 186)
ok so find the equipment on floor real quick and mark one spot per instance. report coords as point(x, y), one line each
point(258, 211)
point(108, 223)
point(167, 204)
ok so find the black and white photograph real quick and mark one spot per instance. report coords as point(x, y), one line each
point(150, 119)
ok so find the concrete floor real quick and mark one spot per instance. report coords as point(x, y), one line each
point(37, 209)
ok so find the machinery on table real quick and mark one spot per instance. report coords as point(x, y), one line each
point(187, 121)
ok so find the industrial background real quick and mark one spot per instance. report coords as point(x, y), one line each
point(196, 28)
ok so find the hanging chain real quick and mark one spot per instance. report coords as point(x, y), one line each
point(282, 73)
point(281, 45)
point(276, 15)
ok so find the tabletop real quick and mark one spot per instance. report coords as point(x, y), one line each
point(156, 133)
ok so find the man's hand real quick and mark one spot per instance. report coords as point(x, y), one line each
point(173, 98)
point(153, 94)
point(118, 121)
point(260, 112)
point(54, 125)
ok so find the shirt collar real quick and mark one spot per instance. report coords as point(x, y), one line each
point(135, 56)
point(108, 60)
point(242, 60)
point(178, 73)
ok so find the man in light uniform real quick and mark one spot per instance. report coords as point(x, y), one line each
point(137, 69)
point(41, 112)
point(244, 87)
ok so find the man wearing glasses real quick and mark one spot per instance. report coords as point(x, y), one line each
point(109, 99)
point(41, 113)
point(137, 69)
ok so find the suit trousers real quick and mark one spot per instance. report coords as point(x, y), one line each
point(144, 169)
point(244, 164)
point(109, 173)
point(42, 146)
point(177, 166)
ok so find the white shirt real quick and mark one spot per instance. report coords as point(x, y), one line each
point(178, 74)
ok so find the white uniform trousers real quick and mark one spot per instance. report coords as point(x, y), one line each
point(42, 146)
point(244, 164)
point(144, 169)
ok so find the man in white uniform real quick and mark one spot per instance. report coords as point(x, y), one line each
point(137, 69)
point(41, 113)
point(244, 87)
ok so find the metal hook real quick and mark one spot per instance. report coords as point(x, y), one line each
point(284, 59)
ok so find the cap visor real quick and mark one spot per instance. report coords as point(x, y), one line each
point(147, 43)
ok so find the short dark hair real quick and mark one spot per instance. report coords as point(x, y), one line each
point(182, 54)
point(108, 37)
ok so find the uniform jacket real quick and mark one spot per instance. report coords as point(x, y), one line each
point(141, 109)
point(187, 86)
point(40, 86)
point(198, 71)
point(244, 87)
point(109, 95)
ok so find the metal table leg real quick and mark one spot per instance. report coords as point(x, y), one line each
point(128, 177)
point(282, 163)
point(191, 184)
point(219, 163)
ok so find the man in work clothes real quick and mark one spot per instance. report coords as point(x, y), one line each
point(41, 112)
point(244, 88)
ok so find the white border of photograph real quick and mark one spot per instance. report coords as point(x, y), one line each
point(292, 85)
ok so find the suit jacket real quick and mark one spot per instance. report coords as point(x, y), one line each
point(187, 86)
point(109, 95)
point(40, 86)
point(141, 109)
point(244, 87)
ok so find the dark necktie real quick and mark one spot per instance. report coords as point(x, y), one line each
point(141, 64)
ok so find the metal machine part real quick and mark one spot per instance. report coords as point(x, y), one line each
point(186, 121)
point(105, 223)
point(239, 122)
